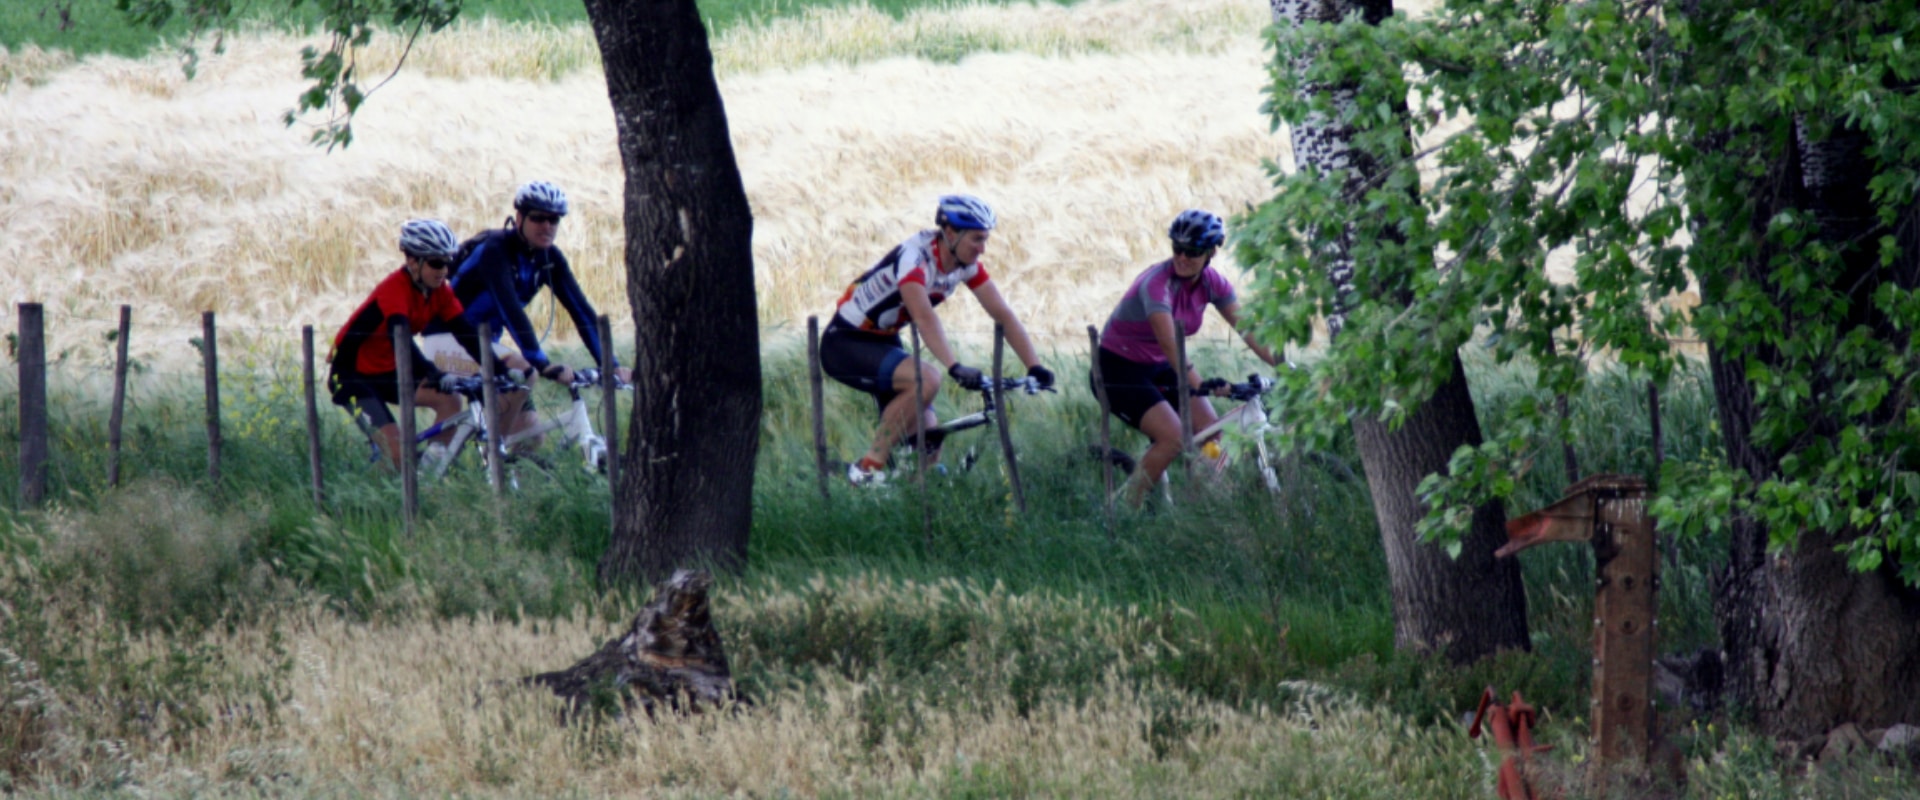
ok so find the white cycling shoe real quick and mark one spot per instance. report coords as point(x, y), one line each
point(860, 476)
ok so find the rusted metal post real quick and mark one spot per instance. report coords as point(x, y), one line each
point(1610, 511)
point(116, 417)
point(814, 384)
point(1106, 433)
point(313, 417)
point(210, 357)
point(1000, 420)
point(33, 404)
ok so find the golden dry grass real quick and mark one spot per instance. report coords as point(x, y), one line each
point(1087, 127)
point(417, 708)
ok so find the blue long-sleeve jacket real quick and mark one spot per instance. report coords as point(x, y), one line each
point(500, 277)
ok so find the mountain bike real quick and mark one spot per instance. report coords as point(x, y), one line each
point(1247, 422)
point(470, 426)
point(990, 392)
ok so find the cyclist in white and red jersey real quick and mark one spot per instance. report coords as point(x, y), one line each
point(861, 346)
point(1137, 347)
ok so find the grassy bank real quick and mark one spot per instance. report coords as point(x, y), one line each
point(183, 637)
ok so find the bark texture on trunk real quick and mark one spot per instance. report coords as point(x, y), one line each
point(686, 479)
point(1809, 644)
point(1465, 608)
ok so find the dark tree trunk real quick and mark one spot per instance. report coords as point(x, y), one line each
point(686, 479)
point(1465, 608)
point(1808, 643)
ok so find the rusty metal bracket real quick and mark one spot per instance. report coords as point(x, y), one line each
point(1512, 727)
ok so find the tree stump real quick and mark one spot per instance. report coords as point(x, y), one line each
point(670, 655)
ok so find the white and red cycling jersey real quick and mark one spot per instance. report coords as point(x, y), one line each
point(872, 302)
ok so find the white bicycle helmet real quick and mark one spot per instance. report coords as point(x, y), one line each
point(427, 238)
point(540, 196)
point(964, 211)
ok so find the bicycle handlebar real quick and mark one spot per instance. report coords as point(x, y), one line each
point(1029, 384)
point(1255, 386)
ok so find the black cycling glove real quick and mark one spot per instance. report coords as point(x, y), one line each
point(968, 377)
point(1041, 375)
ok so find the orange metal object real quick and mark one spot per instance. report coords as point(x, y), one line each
point(1512, 727)
point(1610, 512)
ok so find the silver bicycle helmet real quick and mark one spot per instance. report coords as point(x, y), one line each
point(540, 196)
point(427, 238)
point(964, 211)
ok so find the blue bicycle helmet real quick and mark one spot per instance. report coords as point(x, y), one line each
point(1195, 229)
point(540, 196)
point(427, 238)
point(964, 211)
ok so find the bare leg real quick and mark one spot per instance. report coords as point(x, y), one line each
point(1161, 424)
point(897, 420)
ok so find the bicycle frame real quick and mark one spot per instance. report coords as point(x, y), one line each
point(936, 436)
point(1250, 418)
point(471, 424)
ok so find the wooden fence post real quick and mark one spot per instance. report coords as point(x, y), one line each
point(1185, 392)
point(33, 405)
point(819, 401)
point(409, 482)
point(210, 357)
point(1002, 421)
point(314, 469)
point(610, 412)
point(116, 416)
point(489, 414)
point(1106, 433)
point(920, 440)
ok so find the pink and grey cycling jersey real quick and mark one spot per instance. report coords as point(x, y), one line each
point(1130, 336)
point(872, 302)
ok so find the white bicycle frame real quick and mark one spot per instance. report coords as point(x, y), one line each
point(575, 423)
point(1250, 421)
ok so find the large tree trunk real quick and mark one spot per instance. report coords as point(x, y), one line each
point(686, 477)
point(1810, 644)
point(1465, 608)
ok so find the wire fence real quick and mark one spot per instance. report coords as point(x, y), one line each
point(111, 352)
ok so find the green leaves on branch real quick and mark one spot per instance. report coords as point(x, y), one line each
point(337, 87)
point(1632, 146)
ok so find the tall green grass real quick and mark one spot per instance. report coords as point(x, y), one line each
point(937, 598)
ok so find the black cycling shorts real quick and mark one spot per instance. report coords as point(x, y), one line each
point(1134, 388)
point(862, 360)
point(366, 395)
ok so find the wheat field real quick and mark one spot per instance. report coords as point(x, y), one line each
point(1087, 127)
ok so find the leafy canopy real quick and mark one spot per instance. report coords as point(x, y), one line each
point(1639, 137)
point(338, 86)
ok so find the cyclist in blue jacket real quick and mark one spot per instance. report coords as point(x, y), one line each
point(500, 276)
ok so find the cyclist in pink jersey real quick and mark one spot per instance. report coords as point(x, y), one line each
point(1137, 347)
point(861, 346)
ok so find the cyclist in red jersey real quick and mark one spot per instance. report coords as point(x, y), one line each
point(363, 375)
point(861, 346)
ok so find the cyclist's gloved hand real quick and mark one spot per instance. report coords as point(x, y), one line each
point(554, 372)
point(1211, 385)
point(968, 377)
point(449, 383)
point(1041, 375)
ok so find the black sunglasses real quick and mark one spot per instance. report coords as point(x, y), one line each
point(543, 218)
point(1193, 252)
point(437, 263)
